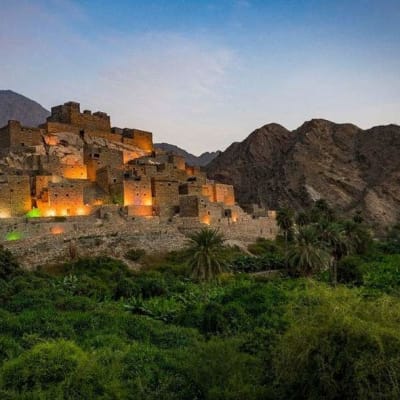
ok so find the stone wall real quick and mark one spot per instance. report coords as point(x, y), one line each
point(137, 192)
point(111, 231)
point(224, 194)
point(15, 196)
point(67, 198)
point(107, 176)
point(96, 158)
point(15, 136)
point(138, 138)
point(69, 113)
point(166, 196)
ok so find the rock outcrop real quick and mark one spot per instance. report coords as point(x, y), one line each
point(353, 169)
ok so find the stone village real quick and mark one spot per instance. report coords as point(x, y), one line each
point(77, 179)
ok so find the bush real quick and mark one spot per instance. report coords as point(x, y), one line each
point(264, 262)
point(263, 246)
point(8, 266)
point(135, 254)
point(340, 348)
point(349, 270)
point(43, 366)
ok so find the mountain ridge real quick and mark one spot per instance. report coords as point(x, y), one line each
point(355, 170)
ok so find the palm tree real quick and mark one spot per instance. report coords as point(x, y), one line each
point(302, 219)
point(204, 250)
point(306, 257)
point(284, 219)
point(333, 237)
point(357, 235)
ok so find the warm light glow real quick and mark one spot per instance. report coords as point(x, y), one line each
point(57, 230)
point(50, 213)
point(4, 214)
point(64, 213)
point(206, 220)
point(148, 202)
point(75, 172)
point(80, 211)
point(98, 202)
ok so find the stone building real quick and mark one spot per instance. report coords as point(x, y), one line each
point(14, 136)
point(77, 165)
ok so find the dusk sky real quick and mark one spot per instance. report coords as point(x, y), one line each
point(201, 74)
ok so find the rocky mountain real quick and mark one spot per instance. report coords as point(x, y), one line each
point(18, 107)
point(191, 159)
point(353, 169)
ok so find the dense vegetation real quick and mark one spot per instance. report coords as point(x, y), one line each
point(93, 329)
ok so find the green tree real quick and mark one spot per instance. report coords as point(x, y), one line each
point(205, 254)
point(358, 236)
point(306, 257)
point(284, 219)
point(333, 237)
point(8, 265)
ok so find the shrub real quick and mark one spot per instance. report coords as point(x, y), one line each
point(349, 270)
point(340, 347)
point(8, 266)
point(135, 254)
point(42, 366)
point(263, 246)
point(264, 262)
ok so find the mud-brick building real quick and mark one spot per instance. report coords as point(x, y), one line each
point(14, 136)
point(61, 198)
point(15, 195)
point(96, 157)
point(165, 196)
point(76, 164)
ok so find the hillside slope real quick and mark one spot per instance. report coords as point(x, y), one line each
point(353, 169)
point(18, 107)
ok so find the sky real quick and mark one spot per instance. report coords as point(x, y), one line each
point(202, 74)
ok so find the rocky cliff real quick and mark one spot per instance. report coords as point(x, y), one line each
point(353, 169)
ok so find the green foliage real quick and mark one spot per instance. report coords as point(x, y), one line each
point(135, 254)
point(383, 275)
point(340, 348)
point(8, 266)
point(350, 271)
point(264, 246)
point(42, 367)
point(266, 262)
point(306, 256)
point(205, 252)
point(94, 329)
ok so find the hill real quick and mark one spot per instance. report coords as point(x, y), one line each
point(353, 169)
point(20, 108)
point(191, 159)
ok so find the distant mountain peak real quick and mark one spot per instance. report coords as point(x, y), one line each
point(190, 159)
point(18, 107)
